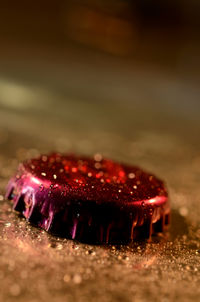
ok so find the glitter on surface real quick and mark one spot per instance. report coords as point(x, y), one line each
point(36, 266)
point(86, 204)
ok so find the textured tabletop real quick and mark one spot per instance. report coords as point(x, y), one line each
point(140, 118)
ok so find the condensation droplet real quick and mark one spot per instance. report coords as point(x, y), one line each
point(98, 157)
point(44, 158)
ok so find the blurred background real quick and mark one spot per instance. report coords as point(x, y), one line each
point(119, 66)
point(116, 77)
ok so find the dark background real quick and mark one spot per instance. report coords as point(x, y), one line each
point(140, 58)
point(119, 78)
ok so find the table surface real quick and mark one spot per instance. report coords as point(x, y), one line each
point(138, 115)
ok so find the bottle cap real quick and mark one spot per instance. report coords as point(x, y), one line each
point(92, 200)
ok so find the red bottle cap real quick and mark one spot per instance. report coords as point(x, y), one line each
point(92, 200)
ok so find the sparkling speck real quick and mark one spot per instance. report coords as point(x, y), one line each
point(77, 279)
point(183, 211)
point(59, 247)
